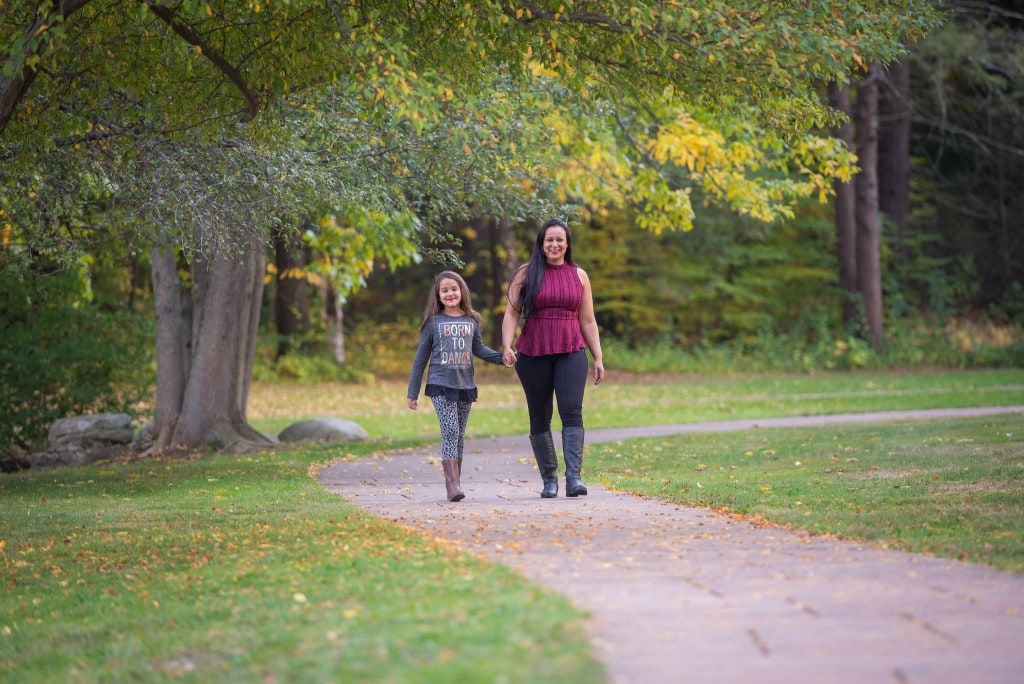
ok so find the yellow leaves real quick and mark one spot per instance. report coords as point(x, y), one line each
point(538, 70)
point(685, 142)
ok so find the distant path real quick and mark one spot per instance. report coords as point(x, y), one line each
point(681, 594)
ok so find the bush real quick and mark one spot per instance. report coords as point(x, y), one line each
point(60, 355)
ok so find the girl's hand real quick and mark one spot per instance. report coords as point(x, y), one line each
point(412, 404)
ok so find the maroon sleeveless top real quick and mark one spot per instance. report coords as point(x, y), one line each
point(553, 326)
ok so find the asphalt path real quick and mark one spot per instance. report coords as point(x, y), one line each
point(683, 594)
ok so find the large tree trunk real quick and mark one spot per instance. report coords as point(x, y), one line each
point(291, 301)
point(172, 355)
point(869, 270)
point(894, 114)
point(204, 366)
point(846, 223)
point(503, 265)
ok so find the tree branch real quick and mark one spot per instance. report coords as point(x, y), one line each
point(13, 88)
point(167, 15)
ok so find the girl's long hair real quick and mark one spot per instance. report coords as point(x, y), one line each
point(435, 306)
point(534, 276)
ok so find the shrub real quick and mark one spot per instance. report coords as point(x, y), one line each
point(60, 355)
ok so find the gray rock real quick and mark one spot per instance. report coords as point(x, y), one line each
point(80, 440)
point(324, 430)
point(85, 432)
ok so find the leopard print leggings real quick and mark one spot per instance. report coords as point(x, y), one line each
point(453, 417)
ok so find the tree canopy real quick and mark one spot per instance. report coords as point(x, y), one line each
point(716, 88)
point(195, 127)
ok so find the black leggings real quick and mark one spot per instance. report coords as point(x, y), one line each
point(561, 375)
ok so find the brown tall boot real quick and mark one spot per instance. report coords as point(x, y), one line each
point(452, 475)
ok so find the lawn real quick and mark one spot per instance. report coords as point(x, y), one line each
point(244, 569)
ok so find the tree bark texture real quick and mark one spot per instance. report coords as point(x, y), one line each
point(895, 108)
point(204, 361)
point(869, 271)
point(172, 327)
point(846, 222)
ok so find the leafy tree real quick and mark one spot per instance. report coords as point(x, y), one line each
point(968, 142)
point(184, 107)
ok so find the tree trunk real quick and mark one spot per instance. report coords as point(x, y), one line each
point(172, 328)
point(869, 271)
point(846, 223)
point(894, 114)
point(204, 366)
point(477, 248)
point(503, 265)
point(291, 301)
point(334, 319)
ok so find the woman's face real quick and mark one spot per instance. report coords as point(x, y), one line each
point(555, 243)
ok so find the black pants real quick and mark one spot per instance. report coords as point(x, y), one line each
point(563, 376)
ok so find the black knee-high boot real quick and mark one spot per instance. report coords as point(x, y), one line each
point(547, 462)
point(572, 451)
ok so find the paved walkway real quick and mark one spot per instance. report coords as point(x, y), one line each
point(680, 594)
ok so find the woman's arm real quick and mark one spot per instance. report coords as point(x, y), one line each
point(588, 326)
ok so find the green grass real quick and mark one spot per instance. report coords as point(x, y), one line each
point(639, 400)
point(245, 569)
point(953, 488)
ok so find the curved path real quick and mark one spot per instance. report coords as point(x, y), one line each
point(680, 594)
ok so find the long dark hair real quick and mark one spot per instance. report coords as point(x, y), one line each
point(434, 305)
point(534, 276)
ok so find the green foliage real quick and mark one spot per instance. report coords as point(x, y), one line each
point(310, 364)
point(728, 280)
point(968, 147)
point(61, 355)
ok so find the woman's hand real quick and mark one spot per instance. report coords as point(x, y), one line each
point(598, 372)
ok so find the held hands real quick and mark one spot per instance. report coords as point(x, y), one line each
point(509, 357)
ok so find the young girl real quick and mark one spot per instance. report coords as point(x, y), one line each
point(449, 338)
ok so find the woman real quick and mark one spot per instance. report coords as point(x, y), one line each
point(553, 299)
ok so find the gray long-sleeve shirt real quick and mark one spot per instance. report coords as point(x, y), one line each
point(449, 344)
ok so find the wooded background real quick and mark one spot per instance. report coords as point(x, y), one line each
point(191, 190)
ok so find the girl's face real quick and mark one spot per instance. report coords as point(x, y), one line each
point(555, 244)
point(450, 294)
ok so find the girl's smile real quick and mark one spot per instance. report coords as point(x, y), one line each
point(451, 296)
